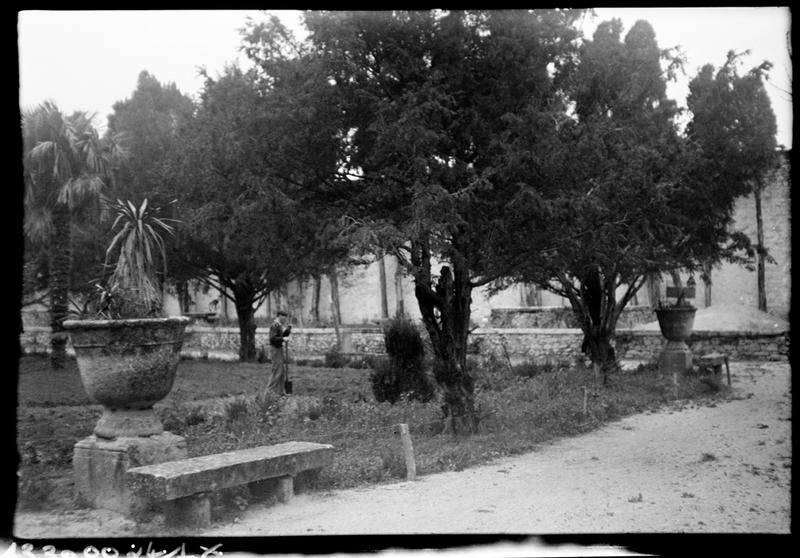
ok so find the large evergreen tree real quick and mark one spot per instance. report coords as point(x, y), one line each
point(655, 200)
point(239, 232)
point(432, 102)
point(733, 122)
point(151, 120)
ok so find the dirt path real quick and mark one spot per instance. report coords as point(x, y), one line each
point(722, 469)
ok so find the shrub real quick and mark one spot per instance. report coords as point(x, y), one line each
point(335, 359)
point(403, 370)
point(34, 492)
point(384, 384)
point(235, 411)
point(491, 373)
point(527, 370)
point(172, 418)
point(266, 403)
point(532, 369)
point(195, 416)
point(711, 384)
point(650, 367)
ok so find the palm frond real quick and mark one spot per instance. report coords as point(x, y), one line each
point(38, 223)
point(138, 245)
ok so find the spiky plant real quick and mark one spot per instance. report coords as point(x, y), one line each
point(133, 288)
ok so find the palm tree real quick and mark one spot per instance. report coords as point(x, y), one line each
point(66, 165)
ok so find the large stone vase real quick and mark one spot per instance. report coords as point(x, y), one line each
point(676, 325)
point(127, 366)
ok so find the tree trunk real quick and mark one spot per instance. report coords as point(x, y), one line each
point(445, 311)
point(247, 325)
point(707, 283)
point(287, 300)
point(654, 289)
point(315, 299)
point(300, 303)
point(182, 288)
point(531, 295)
point(601, 352)
point(400, 309)
point(382, 278)
point(335, 309)
point(60, 261)
point(598, 316)
point(762, 291)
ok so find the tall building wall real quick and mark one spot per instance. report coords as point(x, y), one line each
point(733, 284)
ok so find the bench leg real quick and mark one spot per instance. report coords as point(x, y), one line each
point(306, 480)
point(192, 511)
point(285, 488)
point(280, 489)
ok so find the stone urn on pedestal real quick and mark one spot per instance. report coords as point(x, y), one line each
point(127, 358)
point(676, 322)
point(127, 366)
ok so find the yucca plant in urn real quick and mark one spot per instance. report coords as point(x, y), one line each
point(127, 352)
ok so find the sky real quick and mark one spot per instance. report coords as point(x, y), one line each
point(89, 60)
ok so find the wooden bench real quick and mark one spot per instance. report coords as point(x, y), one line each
point(714, 362)
point(183, 486)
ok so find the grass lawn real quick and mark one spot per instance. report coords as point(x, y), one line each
point(520, 409)
point(40, 386)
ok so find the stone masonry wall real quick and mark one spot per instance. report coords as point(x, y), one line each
point(560, 317)
point(222, 343)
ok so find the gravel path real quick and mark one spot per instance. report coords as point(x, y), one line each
point(722, 468)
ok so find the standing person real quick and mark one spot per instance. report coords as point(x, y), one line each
point(277, 332)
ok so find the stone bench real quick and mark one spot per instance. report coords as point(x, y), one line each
point(713, 362)
point(209, 317)
point(183, 486)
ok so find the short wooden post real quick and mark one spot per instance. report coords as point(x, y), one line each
point(728, 370)
point(408, 453)
point(585, 400)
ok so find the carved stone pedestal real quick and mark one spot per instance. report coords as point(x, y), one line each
point(100, 464)
point(675, 357)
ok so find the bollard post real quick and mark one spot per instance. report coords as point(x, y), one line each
point(408, 452)
point(585, 400)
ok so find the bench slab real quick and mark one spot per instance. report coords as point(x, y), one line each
point(179, 479)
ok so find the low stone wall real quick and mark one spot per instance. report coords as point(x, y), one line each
point(223, 342)
point(630, 344)
point(520, 344)
point(560, 317)
point(739, 345)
